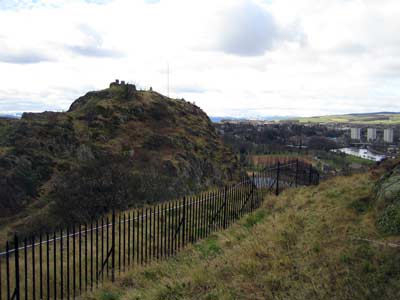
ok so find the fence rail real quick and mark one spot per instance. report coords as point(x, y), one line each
point(69, 262)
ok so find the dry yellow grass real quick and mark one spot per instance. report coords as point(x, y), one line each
point(300, 245)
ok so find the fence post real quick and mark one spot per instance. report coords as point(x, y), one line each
point(310, 175)
point(252, 192)
point(225, 204)
point(184, 222)
point(16, 256)
point(113, 247)
point(277, 179)
point(297, 171)
point(8, 271)
point(26, 268)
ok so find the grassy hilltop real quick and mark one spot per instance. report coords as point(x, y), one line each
point(114, 148)
point(339, 240)
point(384, 118)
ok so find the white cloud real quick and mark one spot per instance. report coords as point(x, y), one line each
point(92, 45)
point(21, 56)
point(247, 29)
point(237, 57)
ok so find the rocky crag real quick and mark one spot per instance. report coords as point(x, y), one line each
point(113, 148)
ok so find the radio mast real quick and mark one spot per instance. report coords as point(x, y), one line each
point(168, 79)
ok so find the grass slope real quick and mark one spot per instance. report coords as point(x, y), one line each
point(304, 244)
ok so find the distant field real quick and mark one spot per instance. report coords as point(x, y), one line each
point(378, 118)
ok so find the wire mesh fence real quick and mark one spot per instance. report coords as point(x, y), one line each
point(69, 262)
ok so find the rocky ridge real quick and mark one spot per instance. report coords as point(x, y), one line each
point(113, 148)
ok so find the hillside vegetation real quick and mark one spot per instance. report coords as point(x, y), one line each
point(321, 242)
point(114, 148)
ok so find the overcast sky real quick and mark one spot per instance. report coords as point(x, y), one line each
point(237, 58)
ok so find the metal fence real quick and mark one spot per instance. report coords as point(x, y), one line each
point(69, 262)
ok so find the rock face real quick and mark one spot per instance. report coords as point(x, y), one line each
point(388, 201)
point(388, 188)
point(114, 148)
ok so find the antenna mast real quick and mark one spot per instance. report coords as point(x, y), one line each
point(168, 79)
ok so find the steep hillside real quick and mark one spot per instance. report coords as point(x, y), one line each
point(116, 147)
point(310, 243)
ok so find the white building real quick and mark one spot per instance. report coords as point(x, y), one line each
point(355, 133)
point(371, 134)
point(388, 135)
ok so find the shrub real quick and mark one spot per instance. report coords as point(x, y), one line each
point(360, 205)
point(389, 220)
point(93, 189)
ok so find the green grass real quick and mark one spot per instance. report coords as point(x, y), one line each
point(305, 244)
point(358, 160)
point(336, 161)
point(341, 162)
point(386, 119)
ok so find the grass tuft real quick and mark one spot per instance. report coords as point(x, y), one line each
point(209, 248)
point(255, 218)
point(108, 295)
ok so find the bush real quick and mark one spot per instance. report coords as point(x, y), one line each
point(93, 189)
point(20, 179)
point(389, 221)
point(321, 143)
point(388, 190)
point(361, 205)
point(98, 186)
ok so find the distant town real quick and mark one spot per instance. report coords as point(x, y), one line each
point(373, 142)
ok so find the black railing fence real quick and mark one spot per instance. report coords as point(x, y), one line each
point(64, 264)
